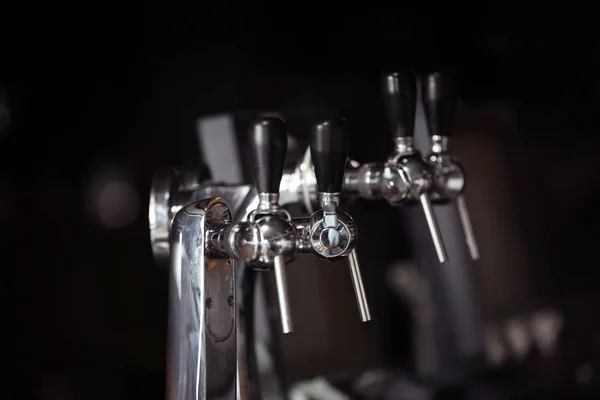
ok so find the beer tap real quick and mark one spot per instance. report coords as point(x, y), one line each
point(333, 231)
point(400, 94)
point(439, 96)
point(268, 141)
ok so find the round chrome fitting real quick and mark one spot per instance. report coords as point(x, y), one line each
point(449, 176)
point(418, 173)
point(332, 242)
point(277, 236)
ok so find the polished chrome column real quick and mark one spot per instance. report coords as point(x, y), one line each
point(201, 350)
point(172, 236)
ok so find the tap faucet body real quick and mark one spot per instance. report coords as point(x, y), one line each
point(448, 172)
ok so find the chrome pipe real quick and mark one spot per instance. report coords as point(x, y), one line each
point(180, 222)
point(201, 349)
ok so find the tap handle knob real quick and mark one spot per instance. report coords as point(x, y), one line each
point(400, 101)
point(268, 141)
point(440, 95)
point(329, 150)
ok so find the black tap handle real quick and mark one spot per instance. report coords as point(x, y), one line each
point(400, 100)
point(439, 94)
point(329, 150)
point(268, 141)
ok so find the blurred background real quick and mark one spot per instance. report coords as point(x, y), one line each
point(94, 101)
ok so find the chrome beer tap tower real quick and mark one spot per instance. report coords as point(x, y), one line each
point(215, 237)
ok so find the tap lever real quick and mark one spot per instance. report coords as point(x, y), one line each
point(434, 229)
point(439, 96)
point(359, 289)
point(329, 151)
point(282, 294)
point(400, 101)
point(465, 219)
point(268, 140)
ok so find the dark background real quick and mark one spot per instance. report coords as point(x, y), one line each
point(98, 94)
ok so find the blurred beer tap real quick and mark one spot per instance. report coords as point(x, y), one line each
point(403, 179)
point(400, 96)
point(439, 96)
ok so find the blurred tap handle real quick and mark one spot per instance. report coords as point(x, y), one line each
point(439, 93)
point(400, 101)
